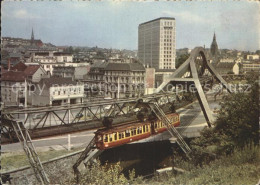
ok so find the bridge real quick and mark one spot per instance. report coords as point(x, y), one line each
point(23, 124)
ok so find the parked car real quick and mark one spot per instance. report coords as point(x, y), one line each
point(79, 115)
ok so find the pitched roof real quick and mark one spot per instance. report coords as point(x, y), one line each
point(41, 53)
point(227, 65)
point(61, 54)
point(15, 76)
point(19, 67)
point(136, 66)
point(57, 81)
point(99, 64)
point(31, 69)
point(15, 55)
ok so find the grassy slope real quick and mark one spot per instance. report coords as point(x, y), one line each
point(11, 161)
point(242, 167)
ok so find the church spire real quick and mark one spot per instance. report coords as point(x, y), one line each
point(32, 37)
point(214, 37)
point(214, 47)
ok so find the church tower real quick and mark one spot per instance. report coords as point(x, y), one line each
point(214, 50)
point(214, 47)
point(32, 38)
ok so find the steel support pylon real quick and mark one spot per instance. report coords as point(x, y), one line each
point(191, 66)
point(26, 142)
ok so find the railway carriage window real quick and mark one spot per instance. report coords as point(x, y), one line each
point(115, 136)
point(155, 125)
point(127, 133)
point(119, 136)
point(105, 138)
point(144, 129)
point(110, 137)
point(123, 135)
point(134, 131)
point(140, 129)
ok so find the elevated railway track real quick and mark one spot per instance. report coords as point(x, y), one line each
point(56, 120)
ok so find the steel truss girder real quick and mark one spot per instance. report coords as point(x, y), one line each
point(190, 66)
point(56, 116)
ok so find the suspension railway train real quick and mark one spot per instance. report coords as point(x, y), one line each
point(112, 137)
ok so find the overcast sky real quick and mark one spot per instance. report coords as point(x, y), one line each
point(115, 24)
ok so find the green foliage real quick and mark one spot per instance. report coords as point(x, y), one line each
point(106, 174)
point(241, 167)
point(181, 59)
point(237, 125)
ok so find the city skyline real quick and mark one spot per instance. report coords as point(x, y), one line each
point(83, 23)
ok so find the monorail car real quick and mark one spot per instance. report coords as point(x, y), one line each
point(116, 136)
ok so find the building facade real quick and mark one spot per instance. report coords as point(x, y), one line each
point(64, 71)
point(251, 67)
point(117, 79)
point(157, 43)
point(13, 83)
point(56, 91)
point(224, 68)
point(252, 57)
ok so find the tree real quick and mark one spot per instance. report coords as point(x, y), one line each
point(237, 124)
point(181, 59)
point(69, 49)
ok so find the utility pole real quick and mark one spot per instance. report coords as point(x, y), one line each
point(25, 98)
point(69, 106)
point(118, 90)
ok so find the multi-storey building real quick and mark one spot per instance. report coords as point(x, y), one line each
point(57, 91)
point(157, 44)
point(74, 72)
point(251, 67)
point(117, 79)
point(64, 71)
point(13, 91)
point(252, 57)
